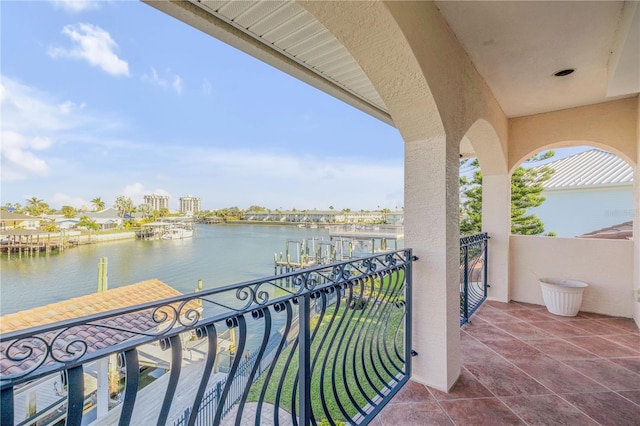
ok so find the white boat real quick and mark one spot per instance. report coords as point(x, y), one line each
point(177, 233)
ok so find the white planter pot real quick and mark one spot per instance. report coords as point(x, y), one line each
point(562, 297)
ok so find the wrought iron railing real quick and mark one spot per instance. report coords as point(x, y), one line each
point(333, 345)
point(473, 273)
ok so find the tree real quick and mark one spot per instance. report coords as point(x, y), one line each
point(50, 226)
point(98, 204)
point(36, 206)
point(145, 209)
point(68, 211)
point(87, 222)
point(124, 205)
point(526, 193)
point(257, 209)
point(331, 207)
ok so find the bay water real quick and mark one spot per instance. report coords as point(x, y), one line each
point(217, 254)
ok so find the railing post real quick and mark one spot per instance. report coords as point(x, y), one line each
point(486, 263)
point(304, 347)
point(408, 350)
point(465, 299)
point(6, 400)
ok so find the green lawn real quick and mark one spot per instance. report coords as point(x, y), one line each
point(352, 355)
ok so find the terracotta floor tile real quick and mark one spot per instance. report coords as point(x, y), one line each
point(487, 333)
point(627, 324)
point(546, 410)
point(598, 328)
point(632, 363)
point(602, 347)
point(560, 349)
point(558, 377)
point(633, 396)
point(560, 328)
point(412, 392)
point(523, 330)
point(607, 373)
point(522, 364)
point(529, 315)
point(504, 379)
point(474, 351)
point(494, 315)
point(607, 408)
point(467, 386)
point(481, 412)
point(629, 340)
point(516, 350)
point(413, 414)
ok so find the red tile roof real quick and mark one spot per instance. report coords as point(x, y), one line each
point(98, 335)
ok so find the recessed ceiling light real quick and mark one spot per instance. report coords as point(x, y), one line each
point(564, 72)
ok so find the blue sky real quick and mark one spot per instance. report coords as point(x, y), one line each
point(115, 97)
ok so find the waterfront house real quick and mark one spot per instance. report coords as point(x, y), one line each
point(108, 218)
point(499, 81)
point(10, 220)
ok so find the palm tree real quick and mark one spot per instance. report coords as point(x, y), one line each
point(35, 206)
point(98, 204)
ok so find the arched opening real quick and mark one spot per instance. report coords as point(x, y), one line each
point(586, 192)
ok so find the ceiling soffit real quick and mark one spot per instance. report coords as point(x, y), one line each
point(286, 27)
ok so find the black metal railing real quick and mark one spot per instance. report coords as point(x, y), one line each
point(474, 251)
point(333, 345)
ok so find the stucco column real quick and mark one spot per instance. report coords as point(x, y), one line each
point(496, 221)
point(432, 231)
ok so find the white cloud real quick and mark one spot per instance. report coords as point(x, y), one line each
point(93, 44)
point(75, 6)
point(177, 83)
point(33, 124)
point(60, 199)
point(68, 107)
point(18, 157)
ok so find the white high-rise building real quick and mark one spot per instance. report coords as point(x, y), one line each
point(157, 202)
point(189, 205)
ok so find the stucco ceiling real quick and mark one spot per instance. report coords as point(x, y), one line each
point(516, 46)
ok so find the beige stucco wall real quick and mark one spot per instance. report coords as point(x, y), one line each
point(606, 265)
point(611, 126)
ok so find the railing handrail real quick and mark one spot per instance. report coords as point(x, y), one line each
point(13, 335)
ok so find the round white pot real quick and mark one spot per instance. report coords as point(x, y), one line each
point(562, 297)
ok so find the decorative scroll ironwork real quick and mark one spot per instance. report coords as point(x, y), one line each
point(355, 349)
point(473, 274)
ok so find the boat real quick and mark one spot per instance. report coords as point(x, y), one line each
point(177, 233)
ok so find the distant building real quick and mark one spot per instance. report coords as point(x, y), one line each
point(189, 205)
point(9, 220)
point(590, 190)
point(157, 202)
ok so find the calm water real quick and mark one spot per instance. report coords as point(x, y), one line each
point(218, 255)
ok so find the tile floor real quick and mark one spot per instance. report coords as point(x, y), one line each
point(523, 365)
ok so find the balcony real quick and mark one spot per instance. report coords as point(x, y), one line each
point(233, 354)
